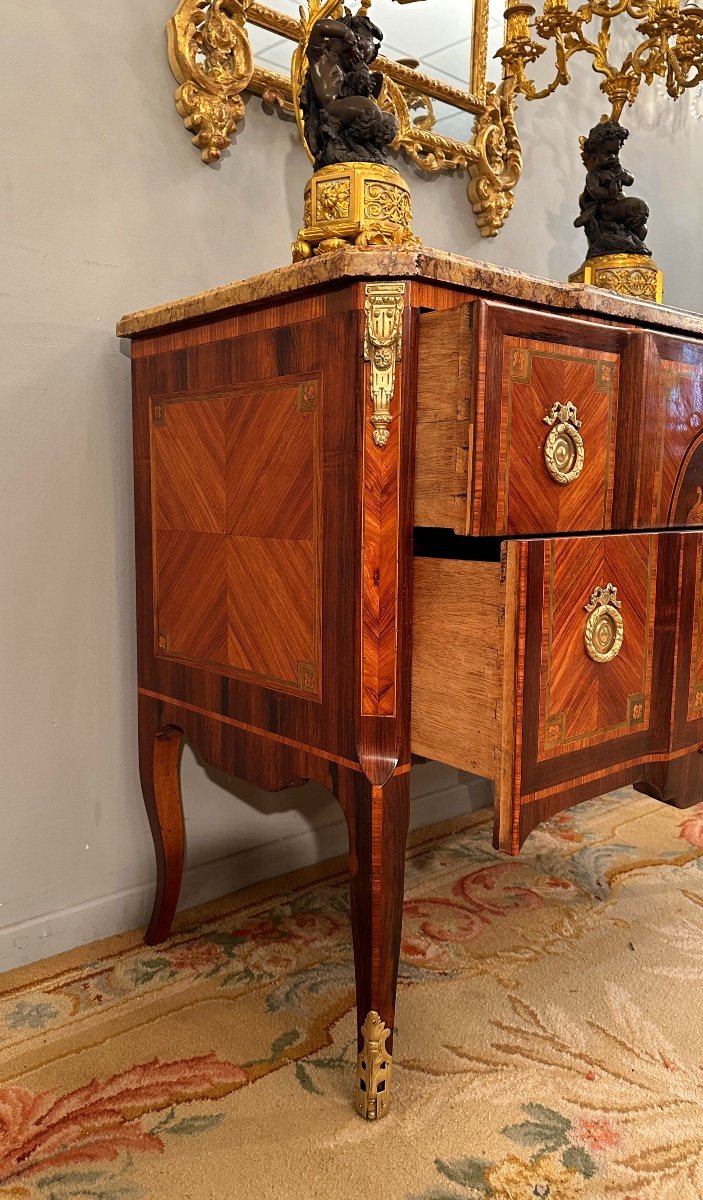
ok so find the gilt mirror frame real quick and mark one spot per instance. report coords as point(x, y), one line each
point(211, 57)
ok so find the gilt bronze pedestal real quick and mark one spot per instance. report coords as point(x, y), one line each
point(354, 204)
point(627, 274)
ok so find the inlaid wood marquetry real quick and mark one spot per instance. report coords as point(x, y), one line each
point(682, 428)
point(237, 531)
point(672, 467)
point(542, 624)
point(581, 699)
point(536, 376)
point(523, 437)
point(687, 713)
point(686, 505)
point(695, 687)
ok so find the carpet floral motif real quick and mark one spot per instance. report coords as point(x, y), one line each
point(46, 1140)
point(560, 1066)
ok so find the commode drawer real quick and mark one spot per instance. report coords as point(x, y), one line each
point(548, 670)
point(517, 420)
point(671, 470)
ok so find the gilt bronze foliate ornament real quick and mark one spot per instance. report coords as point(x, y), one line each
point(615, 225)
point(353, 198)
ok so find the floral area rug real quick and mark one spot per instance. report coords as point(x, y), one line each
point(549, 1045)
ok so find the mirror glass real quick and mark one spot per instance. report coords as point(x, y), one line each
point(444, 39)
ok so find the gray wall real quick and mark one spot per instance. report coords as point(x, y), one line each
point(107, 208)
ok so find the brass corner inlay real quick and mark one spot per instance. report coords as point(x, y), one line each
point(162, 641)
point(604, 632)
point(564, 451)
point(307, 396)
point(604, 376)
point(635, 709)
point(373, 1070)
point(383, 342)
point(554, 730)
point(520, 365)
point(158, 413)
point(307, 677)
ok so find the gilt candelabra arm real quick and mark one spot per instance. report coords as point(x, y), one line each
point(672, 46)
point(685, 57)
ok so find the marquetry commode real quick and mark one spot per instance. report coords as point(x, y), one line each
point(399, 502)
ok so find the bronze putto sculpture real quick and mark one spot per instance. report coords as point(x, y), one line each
point(339, 98)
point(354, 197)
point(613, 223)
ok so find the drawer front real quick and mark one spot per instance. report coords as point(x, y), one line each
point(687, 724)
point(517, 420)
point(545, 424)
point(671, 490)
point(590, 679)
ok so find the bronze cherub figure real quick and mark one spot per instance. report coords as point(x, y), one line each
point(613, 223)
point(339, 98)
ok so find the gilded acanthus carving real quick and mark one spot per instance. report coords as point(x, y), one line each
point(373, 1070)
point(386, 202)
point(333, 200)
point(495, 165)
point(210, 56)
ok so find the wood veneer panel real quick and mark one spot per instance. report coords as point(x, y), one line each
point(457, 668)
point(236, 481)
point(525, 362)
point(189, 454)
point(259, 365)
point(687, 718)
point(219, 327)
point(190, 616)
point(672, 445)
point(272, 611)
point(582, 701)
point(642, 575)
point(443, 428)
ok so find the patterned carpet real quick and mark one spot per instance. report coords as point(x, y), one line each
point(549, 1042)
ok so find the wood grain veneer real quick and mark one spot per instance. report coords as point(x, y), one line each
point(220, 553)
point(279, 629)
point(519, 700)
point(488, 375)
point(459, 636)
point(672, 470)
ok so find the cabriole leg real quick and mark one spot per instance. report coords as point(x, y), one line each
point(159, 769)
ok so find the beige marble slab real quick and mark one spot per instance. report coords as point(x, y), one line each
point(434, 265)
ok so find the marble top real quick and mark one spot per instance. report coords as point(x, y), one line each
point(434, 265)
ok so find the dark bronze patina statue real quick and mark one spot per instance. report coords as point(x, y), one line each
point(342, 119)
point(613, 223)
